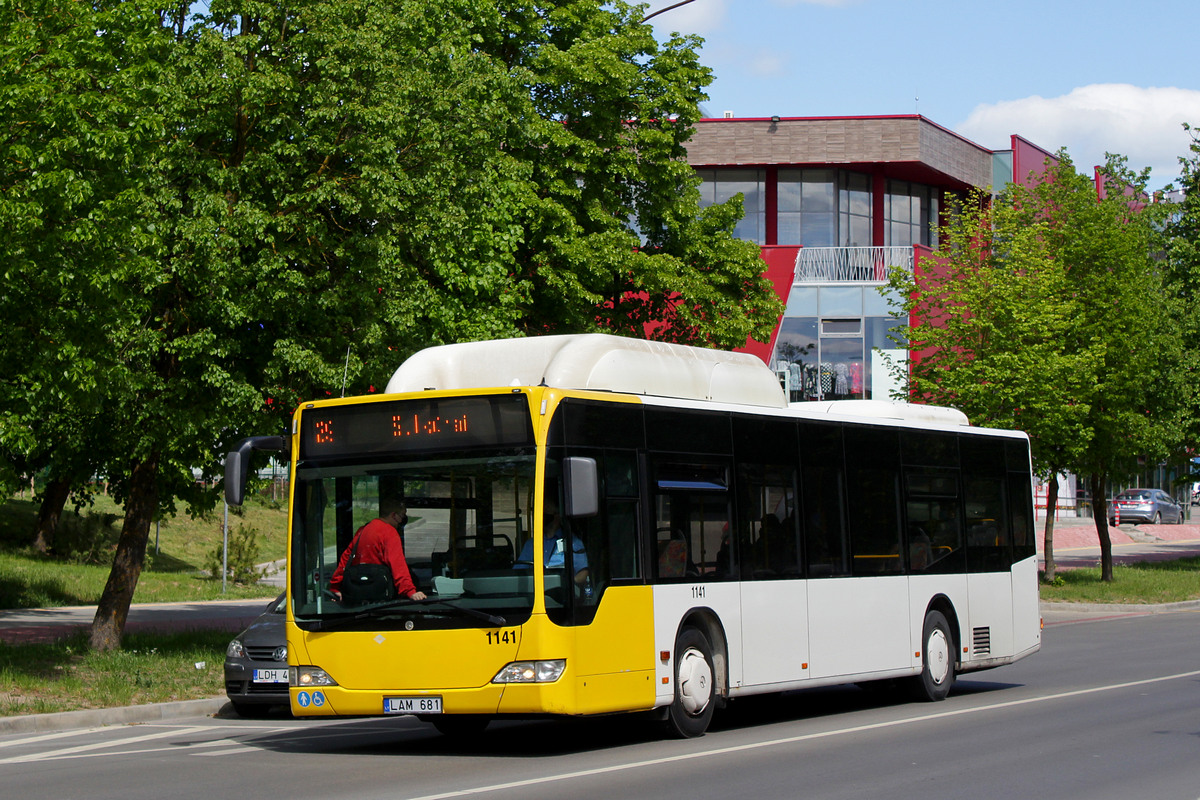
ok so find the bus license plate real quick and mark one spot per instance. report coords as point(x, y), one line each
point(270, 676)
point(412, 705)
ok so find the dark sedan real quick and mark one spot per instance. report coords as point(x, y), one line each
point(1144, 505)
point(256, 670)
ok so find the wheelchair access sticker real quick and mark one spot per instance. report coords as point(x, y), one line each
point(304, 699)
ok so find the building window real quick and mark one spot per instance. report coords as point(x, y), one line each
point(910, 214)
point(807, 207)
point(854, 209)
point(823, 208)
point(718, 185)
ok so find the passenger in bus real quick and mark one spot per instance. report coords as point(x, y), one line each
point(378, 542)
point(554, 548)
point(920, 548)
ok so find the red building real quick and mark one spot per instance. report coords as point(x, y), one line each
point(834, 202)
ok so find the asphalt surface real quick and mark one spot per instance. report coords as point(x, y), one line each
point(1075, 545)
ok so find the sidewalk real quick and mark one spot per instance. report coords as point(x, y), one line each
point(29, 625)
point(1076, 543)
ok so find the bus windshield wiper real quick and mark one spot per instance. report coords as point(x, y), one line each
point(366, 613)
point(470, 612)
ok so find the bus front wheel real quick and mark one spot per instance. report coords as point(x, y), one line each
point(937, 659)
point(692, 709)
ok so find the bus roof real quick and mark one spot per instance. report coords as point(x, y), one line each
point(606, 363)
point(595, 362)
point(882, 409)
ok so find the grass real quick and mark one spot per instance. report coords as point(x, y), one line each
point(1143, 582)
point(175, 572)
point(150, 668)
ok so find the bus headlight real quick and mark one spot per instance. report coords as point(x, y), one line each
point(531, 672)
point(310, 676)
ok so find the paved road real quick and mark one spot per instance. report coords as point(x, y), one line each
point(1073, 548)
point(1106, 710)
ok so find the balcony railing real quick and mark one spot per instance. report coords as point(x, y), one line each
point(832, 264)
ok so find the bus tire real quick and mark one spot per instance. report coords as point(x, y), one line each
point(937, 659)
point(462, 726)
point(695, 685)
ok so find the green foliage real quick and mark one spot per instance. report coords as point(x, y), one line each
point(87, 539)
point(209, 219)
point(244, 557)
point(1182, 273)
point(1046, 312)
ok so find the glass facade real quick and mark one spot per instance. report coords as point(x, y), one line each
point(823, 207)
point(835, 343)
point(910, 213)
point(718, 185)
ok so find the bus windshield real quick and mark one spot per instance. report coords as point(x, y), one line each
point(468, 514)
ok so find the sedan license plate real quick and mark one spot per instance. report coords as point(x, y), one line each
point(270, 676)
point(412, 705)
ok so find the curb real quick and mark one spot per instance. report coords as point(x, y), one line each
point(120, 715)
point(1144, 608)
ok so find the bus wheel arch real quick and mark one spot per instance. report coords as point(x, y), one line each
point(939, 654)
point(700, 675)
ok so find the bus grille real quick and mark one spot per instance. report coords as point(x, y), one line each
point(982, 641)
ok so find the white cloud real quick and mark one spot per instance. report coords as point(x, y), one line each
point(1143, 123)
point(768, 64)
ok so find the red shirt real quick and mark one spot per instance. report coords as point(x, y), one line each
point(378, 543)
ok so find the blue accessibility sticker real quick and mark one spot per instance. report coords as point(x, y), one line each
point(304, 700)
point(318, 699)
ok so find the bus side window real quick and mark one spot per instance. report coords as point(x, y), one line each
point(873, 475)
point(823, 498)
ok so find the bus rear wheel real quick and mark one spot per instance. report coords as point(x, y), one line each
point(937, 659)
point(692, 709)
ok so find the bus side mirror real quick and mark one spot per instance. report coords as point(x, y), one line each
point(237, 464)
point(581, 486)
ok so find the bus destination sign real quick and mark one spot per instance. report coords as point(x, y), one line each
point(403, 425)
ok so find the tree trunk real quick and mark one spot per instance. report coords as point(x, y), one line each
point(1051, 509)
point(1096, 483)
point(113, 609)
point(54, 499)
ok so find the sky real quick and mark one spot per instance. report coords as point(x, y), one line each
point(1094, 77)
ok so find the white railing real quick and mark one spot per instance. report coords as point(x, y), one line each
point(822, 264)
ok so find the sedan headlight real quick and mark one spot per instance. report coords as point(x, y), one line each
point(531, 672)
point(310, 676)
point(235, 649)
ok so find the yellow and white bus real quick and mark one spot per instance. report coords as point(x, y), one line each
point(703, 540)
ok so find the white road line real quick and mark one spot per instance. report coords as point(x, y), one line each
point(83, 748)
point(47, 736)
point(567, 776)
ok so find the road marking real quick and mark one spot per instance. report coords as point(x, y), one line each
point(47, 736)
point(567, 776)
point(83, 748)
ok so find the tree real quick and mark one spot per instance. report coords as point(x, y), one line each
point(1182, 276)
point(1035, 317)
point(269, 203)
point(992, 319)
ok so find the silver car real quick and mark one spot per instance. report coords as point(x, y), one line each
point(1144, 505)
point(256, 670)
